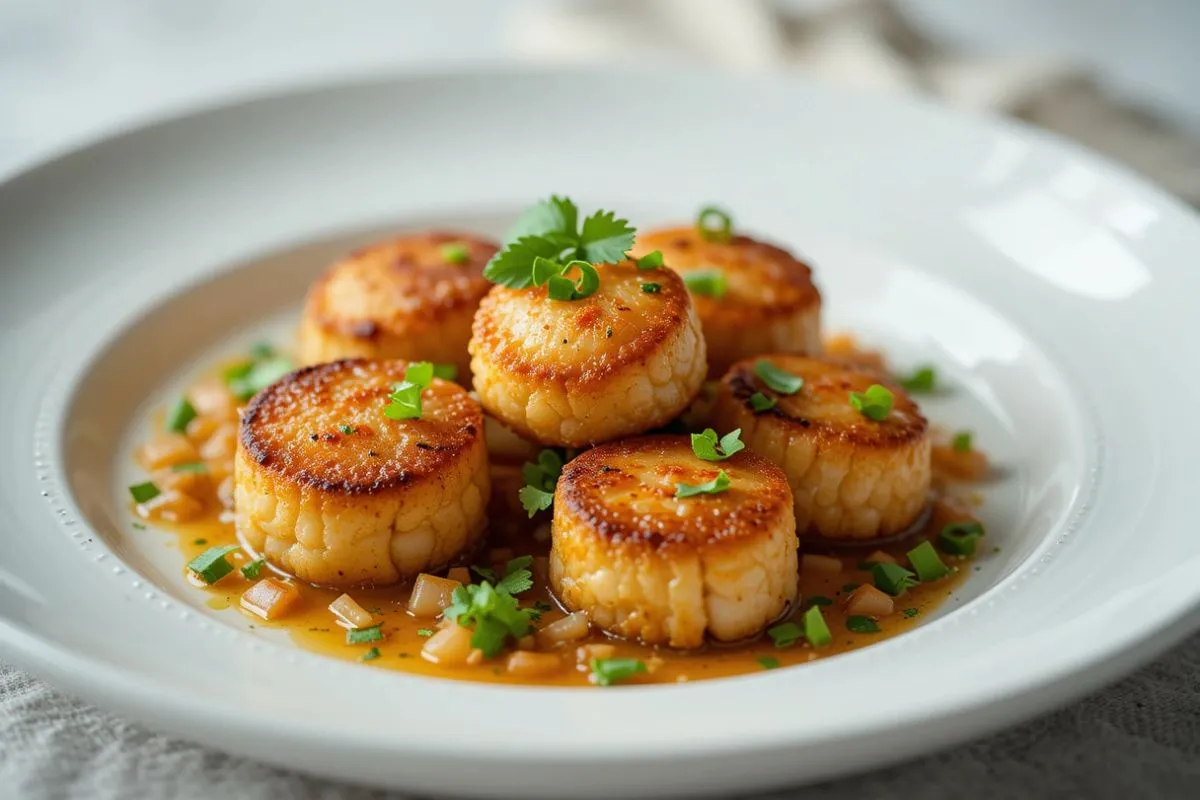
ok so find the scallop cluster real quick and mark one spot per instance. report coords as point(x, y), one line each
point(438, 363)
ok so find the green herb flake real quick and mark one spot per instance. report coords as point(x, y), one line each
point(192, 467)
point(365, 635)
point(213, 564)
point(875, 403)
point(776, 379)
point(922, 379)
point(926, 563)
point(540, 476)
point(491, 612)
point(260, 375)
point(714, 224)
point(860, 624)
point(961, 443)
point(370, 655)
point(405, 400)
point(815, 628)
point(144, 492)
point(959, 538)
point(651, 288)
point(785, 634)
point(252, 570)
point(708, 447)
point(909, 613)
point(180, 415)
point(652, 260)
point(705, 282)
point(199, 542)
point(455, 253)
point(715, 486)
point(609, 671)
point(768, 662)
point(759, 402)
point(425, 632)
point(348, 430)
point(892, 578)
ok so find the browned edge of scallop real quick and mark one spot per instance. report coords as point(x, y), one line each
point(417, 256)
point(747, 517)
point(305, 389)
point(904, 426)
point(490, 334)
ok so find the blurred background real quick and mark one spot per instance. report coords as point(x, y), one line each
point(1119, 75)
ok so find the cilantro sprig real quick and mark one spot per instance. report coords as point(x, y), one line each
point(541, 476)
point(708, 447)
point(551, 231)
point(492, 611)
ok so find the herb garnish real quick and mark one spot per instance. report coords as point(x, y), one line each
point(212, 565)
point(707, 447)
point(607, 671)
point(540, 477)
point(776, 379)
point(714, 224)
point(875, 403)
point(715, 486)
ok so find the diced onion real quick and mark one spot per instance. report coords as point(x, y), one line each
point(585, 654)
point(825, 564)
point(450, 646)
point(350, 614)
point(868, 601)
point(430, 595)
point(529, 665)
point(270, 598)
point(570, 628)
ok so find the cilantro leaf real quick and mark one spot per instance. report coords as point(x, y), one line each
point(706, 446)
point(605, 239)
point(555, 215)
point(492, 612)
point(715, 486)
point(534, 499)
point(540, 476)
point(513, 266)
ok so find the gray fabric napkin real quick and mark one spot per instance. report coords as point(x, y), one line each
point(1137, 739)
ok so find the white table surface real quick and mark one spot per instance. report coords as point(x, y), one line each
point(72, 71)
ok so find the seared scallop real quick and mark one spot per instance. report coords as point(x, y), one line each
point(330, 489)
point(412, 297)
point(853, 477)
point(762, 301)
point(646, 564)
point(621, 361)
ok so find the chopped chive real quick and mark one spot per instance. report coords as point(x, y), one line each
point(923, 379)
point(785, 634)
point(892, 578)
point(768, 662)
point(348, 430)
point(961, 443)
point(651, 288)
point(364, 635)
point(714, 224)
point(212, 565)
point(959, 538)
point(425, 632)
point(715, 486)
point(860, 624)
point(251, 571)
point(651, 260)
point(815, 629)
point(144, 492)
point(180, 415)
point(455, 253)
point(608, 671)
point(759, 402)
point(819, 600)
point(194, 467)
point(875, 403)
point(705, 282)
point(370, 655)
point(925, 561)
point(777, 379)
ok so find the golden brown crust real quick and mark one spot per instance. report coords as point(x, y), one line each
point(618, 326)
point(399, 287)
point(625, 493)
point(294, 429)
point(763, 265)
point(822, 406)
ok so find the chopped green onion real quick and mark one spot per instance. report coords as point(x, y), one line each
point(923, 379)
point(447, 372)
point(455, 253)
point(785, 634)
point(651, 288)
point(892, 578)
point(776, 379)
point(651, 260)
point(212, 565)
point(370, 655)
point(859, 624)
point(705, 282)
point(715, 486)
point(961, 443)
point(180, 415)
point(252, 570)
point(759, 402)
point(348, 430)
point(607, 671)
point(875, 403)
point(144, 492)
point(768, 662)
point(959, 538)
point(819, 600)
point(364, 635)
point(544, 269)
point(707, 447)
point(925, 561)
point(260, 375)
point(815, 629)
point(714, 224)
point(425, 632)
point(563, 288)
point(195, 467)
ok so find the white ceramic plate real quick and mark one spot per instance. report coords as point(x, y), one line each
point(1055, 291)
